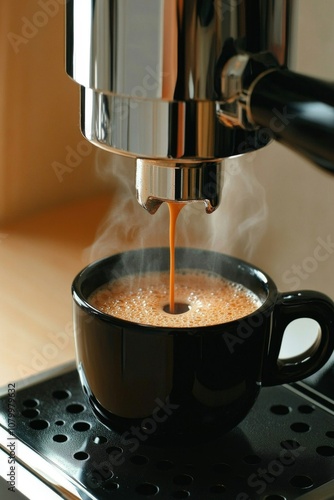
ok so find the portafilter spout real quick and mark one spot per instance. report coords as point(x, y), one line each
point(181, 85)
point(188, 181)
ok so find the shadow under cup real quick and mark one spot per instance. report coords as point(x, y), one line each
point(189, 381)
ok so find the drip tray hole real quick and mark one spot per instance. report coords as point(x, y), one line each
point(38, 425)
point(147, 489)
point(303, 482)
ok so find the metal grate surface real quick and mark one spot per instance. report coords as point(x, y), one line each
point(283, 449)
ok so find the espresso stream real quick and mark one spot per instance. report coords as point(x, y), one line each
point(203, 298)
point(174, 210)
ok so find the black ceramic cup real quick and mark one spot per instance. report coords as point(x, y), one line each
point(200, 381)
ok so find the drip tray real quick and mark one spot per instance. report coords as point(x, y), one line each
point(284, 449)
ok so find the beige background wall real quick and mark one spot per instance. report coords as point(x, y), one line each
point(38, 113)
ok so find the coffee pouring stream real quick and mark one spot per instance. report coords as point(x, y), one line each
point(182, 85)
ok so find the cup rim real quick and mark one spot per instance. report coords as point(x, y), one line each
point(81, 301)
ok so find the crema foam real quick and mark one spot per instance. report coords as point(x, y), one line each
point(211, 299)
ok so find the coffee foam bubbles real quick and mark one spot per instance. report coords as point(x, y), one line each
point(140, 299)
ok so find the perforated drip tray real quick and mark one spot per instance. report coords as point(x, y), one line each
point(282, 450)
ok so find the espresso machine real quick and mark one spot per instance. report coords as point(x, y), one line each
point(180, 85)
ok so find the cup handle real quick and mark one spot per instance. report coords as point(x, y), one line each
point(291, 306)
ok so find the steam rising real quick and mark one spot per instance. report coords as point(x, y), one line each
point(235, 228)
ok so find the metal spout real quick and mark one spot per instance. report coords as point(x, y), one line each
point(158, 181)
